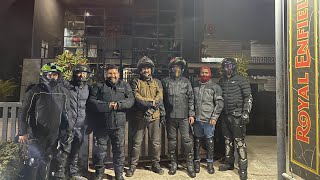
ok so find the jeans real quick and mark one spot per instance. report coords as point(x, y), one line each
point(203, 129)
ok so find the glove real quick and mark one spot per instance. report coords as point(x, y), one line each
point(148, 114)
point(245, 118)
point(89, 130)
point(66, 137)
point(163, 121)
point(149, 104)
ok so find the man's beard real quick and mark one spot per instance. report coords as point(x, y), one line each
point(146, 76)
point(113, 80)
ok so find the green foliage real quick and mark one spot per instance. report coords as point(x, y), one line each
point(7, 88)
point(68, 60)
point(12, 156)
point(242, 63)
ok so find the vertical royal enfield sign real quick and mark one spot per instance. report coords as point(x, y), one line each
point(303, 88)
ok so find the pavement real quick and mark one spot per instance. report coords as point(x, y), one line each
point(262, 158)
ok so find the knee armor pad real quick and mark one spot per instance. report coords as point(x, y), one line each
point(241, 147)
point(228, 141)
point(240, 143)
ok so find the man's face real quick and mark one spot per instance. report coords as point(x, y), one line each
point(146, 71)
point(82, 74)
point(112, 75)
point(204, 72)
point(177, 70)
point(53, 75)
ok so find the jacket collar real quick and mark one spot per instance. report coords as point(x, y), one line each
point(203, 83)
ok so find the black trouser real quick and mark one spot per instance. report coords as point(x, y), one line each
point(154, 134)
point(60, 155)
point(173, 125)
point(101, 142)
point(234, 133)
point(40, 153)
point(219, 147)
point(75, 149)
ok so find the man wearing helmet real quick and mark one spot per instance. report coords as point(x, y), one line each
point(109, 102)
point(237, 106)
point(44, 111)
point(79, 93)
point(179, 105)
point(149, 111)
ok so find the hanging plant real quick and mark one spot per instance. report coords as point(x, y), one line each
point(68, 60)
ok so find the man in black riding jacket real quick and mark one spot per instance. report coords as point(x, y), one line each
point(109, 102)
point(237, 106)
point(179, 106)
point(44, 111)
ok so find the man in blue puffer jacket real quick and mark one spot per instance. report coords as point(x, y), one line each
point(79, 94)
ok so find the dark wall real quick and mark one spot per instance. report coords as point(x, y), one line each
point(48, 26)
point(192, 26)
point(15, 37)
point(241, 19)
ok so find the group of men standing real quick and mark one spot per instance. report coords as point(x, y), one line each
point(172, 102)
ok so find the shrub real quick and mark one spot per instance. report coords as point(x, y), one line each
point(7, 88)
point(242, 63)
point(12, 156)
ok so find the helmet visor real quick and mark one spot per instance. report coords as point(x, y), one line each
point(82, 75)
point(228, 68)
point(51, 75)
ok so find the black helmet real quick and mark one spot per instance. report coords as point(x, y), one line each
point(47, 71)
point(229, 66)
point(145, 62)
point(178, 61)
point(80, 68)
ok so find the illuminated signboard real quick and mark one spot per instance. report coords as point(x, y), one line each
point(303, 88)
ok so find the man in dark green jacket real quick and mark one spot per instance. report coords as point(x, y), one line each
point(149, 111)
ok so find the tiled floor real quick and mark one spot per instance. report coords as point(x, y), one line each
point(262, 155)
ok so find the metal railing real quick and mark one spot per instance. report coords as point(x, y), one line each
point(9, 127)
point(9, 120)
